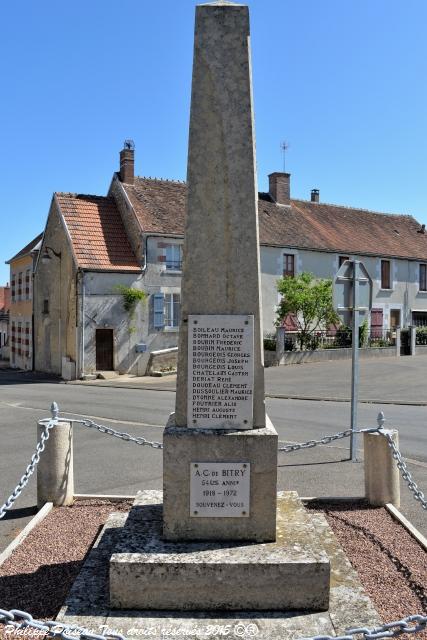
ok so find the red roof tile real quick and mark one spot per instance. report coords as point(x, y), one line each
point(327, 227)
point(97, 233)
point(160, 206)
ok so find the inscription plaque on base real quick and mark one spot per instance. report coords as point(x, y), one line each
point(220, 371)
point(220, 489)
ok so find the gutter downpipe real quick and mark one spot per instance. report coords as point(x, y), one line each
point(82, 332)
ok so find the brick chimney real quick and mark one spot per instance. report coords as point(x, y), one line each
point(127, 162)
point(315, 195)
point(280, 187)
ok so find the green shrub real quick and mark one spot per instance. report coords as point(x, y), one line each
point(421, 335)
point(270, 342)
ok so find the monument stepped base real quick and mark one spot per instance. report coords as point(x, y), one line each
point(149, 572)
point(87, 604)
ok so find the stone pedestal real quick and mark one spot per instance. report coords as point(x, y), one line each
point(150, 573)
point(255, 447)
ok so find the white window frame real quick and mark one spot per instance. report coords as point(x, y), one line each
point(419, 277)
point(172, 311)
point(173, 257)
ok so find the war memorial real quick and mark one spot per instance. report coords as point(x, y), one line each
point(219, 545)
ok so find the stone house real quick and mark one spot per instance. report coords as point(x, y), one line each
point(133, 238)
point(21, 305)
point(4, 322)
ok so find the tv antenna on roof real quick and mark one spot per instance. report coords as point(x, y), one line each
point(284, 147)
point(128, 144)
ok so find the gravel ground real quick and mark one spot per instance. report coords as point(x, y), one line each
point(40, 572)
point(391, 565)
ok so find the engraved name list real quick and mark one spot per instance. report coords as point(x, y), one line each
point(220, 363)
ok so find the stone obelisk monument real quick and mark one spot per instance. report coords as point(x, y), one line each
point(219, 431)
point(220, 449)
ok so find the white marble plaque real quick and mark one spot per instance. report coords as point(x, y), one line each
point(220, 371)
point(220, 489)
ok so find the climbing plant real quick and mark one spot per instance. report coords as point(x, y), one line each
point(131, 297)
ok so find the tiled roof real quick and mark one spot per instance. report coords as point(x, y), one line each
point(31, 246)
point(160, 208)
point(97, 233)
point(159, 205)
point(327, 227)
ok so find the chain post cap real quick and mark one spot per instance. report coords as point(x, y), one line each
point(54, 409)
point(380, 419)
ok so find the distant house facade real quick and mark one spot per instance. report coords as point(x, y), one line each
point(21, 306)
point(4, 322)
point(133, 238)
point(318, 237)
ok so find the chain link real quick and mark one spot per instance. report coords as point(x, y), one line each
point(325, 440)
point(48, 425)
point(21, 620)
point(388, 630)
point(406, 474)
point(119, 434)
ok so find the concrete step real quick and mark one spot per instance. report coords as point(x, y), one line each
point(148, 572)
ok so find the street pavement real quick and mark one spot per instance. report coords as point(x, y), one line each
point(382, 380)
point(107, 465)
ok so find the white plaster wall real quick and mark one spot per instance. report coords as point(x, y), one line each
point(404, 294)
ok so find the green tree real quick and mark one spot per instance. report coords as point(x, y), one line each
point(310, 301)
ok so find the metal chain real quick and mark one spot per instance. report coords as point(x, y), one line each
point(119, 434)
point(21, 620)
point(48, 425)
point(406, 474)
point(325, 440)
point(388, 630)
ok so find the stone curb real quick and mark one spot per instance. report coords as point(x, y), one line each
point(40, 515)
point(328, 399)
point(422, 541)
point(136, 387)
point(279, 396)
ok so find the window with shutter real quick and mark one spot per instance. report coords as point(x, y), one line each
point(385, 274)
point(423, 277)
point(158, 305)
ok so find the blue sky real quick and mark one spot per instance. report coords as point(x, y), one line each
point(343, 81)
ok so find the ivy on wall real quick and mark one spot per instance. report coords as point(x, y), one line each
point(131, 297)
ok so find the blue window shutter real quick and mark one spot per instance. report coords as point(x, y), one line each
point(159, 302)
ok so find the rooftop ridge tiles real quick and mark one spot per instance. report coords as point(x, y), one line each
point(161, 180)
point(327, 204)
point(69, 194)
point(353, 208)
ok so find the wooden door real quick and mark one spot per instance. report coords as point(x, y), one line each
point(104, 350)
point(376, 323)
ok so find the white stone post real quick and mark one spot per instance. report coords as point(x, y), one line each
point(398, 341)
point(413, 334)
point(382, 484)
point(280, 344)
point(55, 477)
